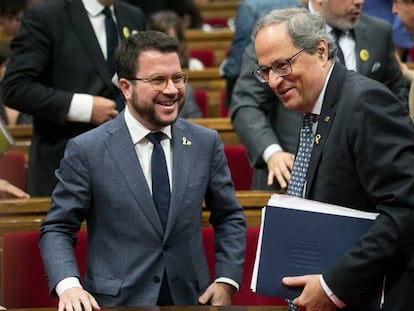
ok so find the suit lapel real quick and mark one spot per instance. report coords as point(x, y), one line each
point(80, 22)
point(123, 152)
point(326, 120)
point(182, 157)
point(363, 63)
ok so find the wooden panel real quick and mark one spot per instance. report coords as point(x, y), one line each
point(224, 128)
point(219, 40)
point(210, 80)
point(27, 214)
point(218, 9)
point(22, 135)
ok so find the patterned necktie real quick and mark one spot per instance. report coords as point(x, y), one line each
point(337, 34)
point(300, 166)
point(160, 181)
point(111, 40)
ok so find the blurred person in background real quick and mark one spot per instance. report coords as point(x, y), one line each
point(169, 22)
point(383, 9)
point(11, 14)
point(248, 12)
point(8, 115)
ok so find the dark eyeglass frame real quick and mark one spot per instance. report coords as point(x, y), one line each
point(281, 67)
point(159, 82)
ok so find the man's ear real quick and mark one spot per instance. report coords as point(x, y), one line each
point(126, 87)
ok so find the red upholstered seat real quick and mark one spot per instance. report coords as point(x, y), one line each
point(13, 168)
point(241, 172)
point(217, 22)
point(245, 296)
point(206, 56)
point(201, 98)
point(224, 111)
point(24, 282)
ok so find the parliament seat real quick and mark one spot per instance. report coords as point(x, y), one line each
point(206, 56)
point(24, 282)
point(245, 296)
point(241, 172)
point(13, 168)
point(201, 98)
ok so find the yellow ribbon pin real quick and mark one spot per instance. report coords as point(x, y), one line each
point(317, 138)
point(125, 32)
point(364, 55)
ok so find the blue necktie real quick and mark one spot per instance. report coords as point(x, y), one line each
point(160, 181)
point(300, 166)
point(111, 40)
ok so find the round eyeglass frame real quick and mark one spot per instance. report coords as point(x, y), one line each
point(159, 82)
point(281, 67)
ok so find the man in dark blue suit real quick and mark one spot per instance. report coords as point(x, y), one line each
point(268, 130)
point(362, 155)
point(58, 73)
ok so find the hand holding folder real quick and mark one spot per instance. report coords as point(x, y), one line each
point(301, 237)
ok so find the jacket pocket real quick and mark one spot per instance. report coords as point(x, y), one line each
point(103, 286)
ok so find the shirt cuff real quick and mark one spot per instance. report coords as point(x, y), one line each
point(67, 283)
point(271, 150)
point(228, 281)
point(80, 109)
point(339, 303)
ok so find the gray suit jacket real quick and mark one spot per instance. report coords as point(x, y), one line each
point(100, 180)
point(260, 119)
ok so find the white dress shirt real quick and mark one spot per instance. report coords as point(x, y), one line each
point(80, 109)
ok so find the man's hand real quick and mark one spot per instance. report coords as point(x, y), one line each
point(77, 299)
point(103, 110)
point(279, 166)
point(7, 190)
point(218, 294)
point(313, 297)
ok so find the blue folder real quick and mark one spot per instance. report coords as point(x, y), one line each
point(299, 237)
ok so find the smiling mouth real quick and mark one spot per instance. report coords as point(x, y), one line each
point(283, 92)
point(167, 104)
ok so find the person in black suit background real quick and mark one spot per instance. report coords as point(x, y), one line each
point(58, 73)
point(362, 155)
point(268, 130)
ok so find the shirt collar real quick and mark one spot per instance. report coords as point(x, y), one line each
point(138, 131)
point(318, 105)
point(93, 7)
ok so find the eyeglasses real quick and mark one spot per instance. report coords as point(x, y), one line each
point(281, 67)
point(160, 82)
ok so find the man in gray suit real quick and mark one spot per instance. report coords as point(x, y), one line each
point(268, 130)
point(105, 178)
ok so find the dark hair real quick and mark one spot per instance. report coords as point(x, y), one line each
point(12, 7)
point(164, 21)
point(190, 9)
point(126, 56)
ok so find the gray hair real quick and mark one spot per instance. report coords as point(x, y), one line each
point(306, 29)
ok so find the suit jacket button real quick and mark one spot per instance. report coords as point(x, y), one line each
point(156, 279)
